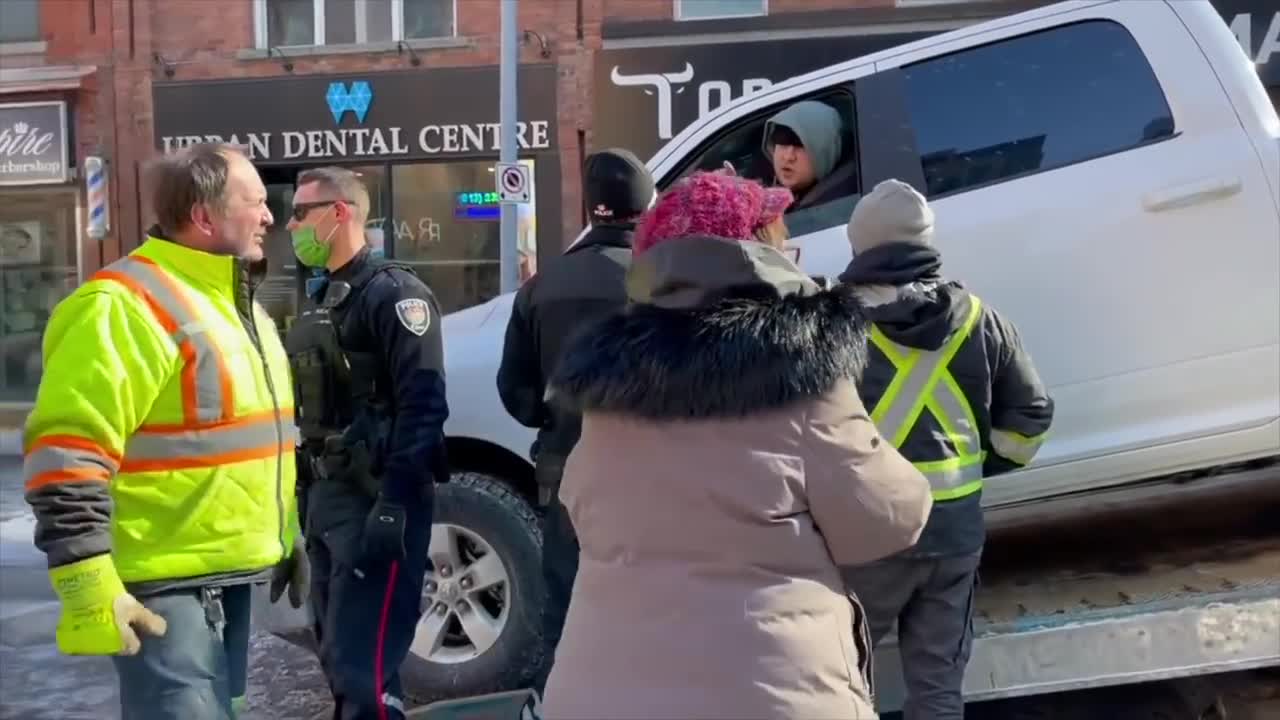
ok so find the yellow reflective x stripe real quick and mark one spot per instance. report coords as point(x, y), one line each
point(954, 477)
point(1016, 447)
point(922, 381)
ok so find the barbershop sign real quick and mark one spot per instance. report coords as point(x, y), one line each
point(33, 143)
point(644, 96)
point(448, 112)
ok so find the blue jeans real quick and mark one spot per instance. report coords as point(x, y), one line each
point(199, 669)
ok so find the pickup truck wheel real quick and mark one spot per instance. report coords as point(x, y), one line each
point(479, 630)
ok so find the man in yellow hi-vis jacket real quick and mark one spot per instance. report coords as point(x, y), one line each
point(954, 390)
point(159, 458)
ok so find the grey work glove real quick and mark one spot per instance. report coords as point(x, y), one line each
point(293, 572)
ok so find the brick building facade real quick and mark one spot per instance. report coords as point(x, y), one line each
point(131, 73)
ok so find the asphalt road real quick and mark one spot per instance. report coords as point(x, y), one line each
point(39, 683)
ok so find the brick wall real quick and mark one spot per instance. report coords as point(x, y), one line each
point(665, 9)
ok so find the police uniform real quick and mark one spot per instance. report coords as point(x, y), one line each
point(367, 359)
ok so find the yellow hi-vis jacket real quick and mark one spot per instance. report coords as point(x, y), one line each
point(163, 428)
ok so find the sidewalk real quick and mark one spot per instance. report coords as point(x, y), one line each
point(39, 683)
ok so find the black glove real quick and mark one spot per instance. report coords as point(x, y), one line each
point(384, 533)
point(293, 572)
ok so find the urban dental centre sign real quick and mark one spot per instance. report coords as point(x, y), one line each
point(420, 114)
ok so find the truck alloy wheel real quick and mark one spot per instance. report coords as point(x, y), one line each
point(482, 600)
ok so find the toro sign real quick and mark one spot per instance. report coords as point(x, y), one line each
point(513, 182)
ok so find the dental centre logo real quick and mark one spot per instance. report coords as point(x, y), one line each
point(348, 104)
point(356, 100)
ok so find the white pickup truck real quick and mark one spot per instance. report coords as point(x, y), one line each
point(1108, 175)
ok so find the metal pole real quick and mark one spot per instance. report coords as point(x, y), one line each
point(509, 257)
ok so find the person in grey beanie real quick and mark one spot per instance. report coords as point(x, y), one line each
point(584, 284)
point(954, 390)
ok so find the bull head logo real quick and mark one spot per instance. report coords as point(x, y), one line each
point(660, 82)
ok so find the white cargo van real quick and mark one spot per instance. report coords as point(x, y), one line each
point(1106, 173)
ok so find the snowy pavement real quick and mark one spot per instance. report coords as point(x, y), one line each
point(39, 683)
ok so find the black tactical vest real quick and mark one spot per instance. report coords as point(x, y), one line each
point(333, 385)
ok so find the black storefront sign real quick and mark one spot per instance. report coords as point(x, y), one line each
point(644, 96)
point(1256, 24)
point(441, 113)
point(33, 143)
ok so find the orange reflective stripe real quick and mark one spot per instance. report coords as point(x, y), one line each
point(72, 442)
point(66, 458)
point(228, 408)
point(261, 452)
point(286, 416)
point(79, 474)
point(206, 382)
point(166, 320)
point(253, 438)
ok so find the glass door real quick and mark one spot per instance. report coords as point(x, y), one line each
point(446, 225)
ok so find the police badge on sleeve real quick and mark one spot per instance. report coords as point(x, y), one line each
point(414, 315)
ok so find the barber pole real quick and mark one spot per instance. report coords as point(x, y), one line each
point(95, 175)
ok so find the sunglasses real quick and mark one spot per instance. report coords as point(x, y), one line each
point(300, 210)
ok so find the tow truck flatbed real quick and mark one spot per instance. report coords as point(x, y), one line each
point(1172, 591)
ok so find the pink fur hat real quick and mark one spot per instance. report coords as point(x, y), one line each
point(712, 204)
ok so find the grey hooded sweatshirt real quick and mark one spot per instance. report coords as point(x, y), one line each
point(818, 126)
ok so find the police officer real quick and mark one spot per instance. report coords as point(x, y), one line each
point(952, 388)
point(585, 283)
point(367, 359)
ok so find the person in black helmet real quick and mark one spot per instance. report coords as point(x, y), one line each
point(584, 284)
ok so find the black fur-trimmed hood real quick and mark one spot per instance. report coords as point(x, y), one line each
point(716, 329)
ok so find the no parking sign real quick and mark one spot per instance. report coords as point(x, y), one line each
point(513, 182)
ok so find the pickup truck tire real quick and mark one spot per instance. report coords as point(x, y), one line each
point(476, 516)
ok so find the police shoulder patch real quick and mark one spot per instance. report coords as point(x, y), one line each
point(414, 314)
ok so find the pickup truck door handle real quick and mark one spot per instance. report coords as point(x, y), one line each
point(1197, 191)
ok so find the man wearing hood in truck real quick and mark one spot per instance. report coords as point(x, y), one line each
point(954, 390)
point(805, 145)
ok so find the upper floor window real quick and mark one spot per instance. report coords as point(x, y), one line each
point(1033, 103)
point(285, 23)
point(19, 21)
point(709, 9)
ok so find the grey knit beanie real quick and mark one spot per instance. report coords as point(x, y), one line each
point(893, 212)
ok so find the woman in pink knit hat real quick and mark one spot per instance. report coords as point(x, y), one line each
point(726, 468)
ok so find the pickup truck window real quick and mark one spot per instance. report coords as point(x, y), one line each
point(742, 146)
point(1033, 103)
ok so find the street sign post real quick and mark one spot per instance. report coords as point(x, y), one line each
point(509, 65)
point(513, 182)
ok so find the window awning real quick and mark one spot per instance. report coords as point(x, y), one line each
point(43, 79)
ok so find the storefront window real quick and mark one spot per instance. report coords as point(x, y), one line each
point(446, 226)
point(38, 268)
